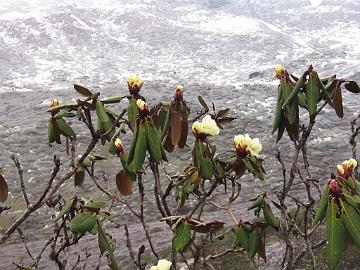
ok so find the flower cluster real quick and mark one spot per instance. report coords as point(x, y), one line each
point(346, 168)
point(279, 70)
point(134, 84)
point(207, 127)
point(162, 265)
point(245, 145)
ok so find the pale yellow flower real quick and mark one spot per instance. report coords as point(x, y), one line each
point(54, 103)
point(162, 265)
point(279, 69)
point(141, 104)
point(180, 88)
point(134, 84)
point(245, 145)
point(206, 127)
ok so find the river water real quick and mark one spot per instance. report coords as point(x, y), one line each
point(223, 50)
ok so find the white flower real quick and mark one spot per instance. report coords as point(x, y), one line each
point(245, 145)
point(141, 104)
point(118, 142)
point(162, 265)
point(207, 127)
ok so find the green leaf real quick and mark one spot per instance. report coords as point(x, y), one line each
point(335, 235)
point(82, 223)
point(198, 154)
point(294, 92)
point(203, 103)
point(270, 217)
point(323, 203)
point(140, 150)
point(104, 245)
point(82, 90)
point(182, 236)
point(278, 111)
point(207, 169)
point(101, 113)
point(132, 112)
point(4, 189)
point(259, 201)
point(64, 128)
point(95, 204)
point(65, 209)
point(254, 241)
point(312, 92)
point(51, 132)
point(153, 141)
point(351, 220)
point(291, 109)
point(111, 100)
point(241, 238)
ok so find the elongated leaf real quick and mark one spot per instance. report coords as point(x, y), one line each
point(312, 92)
point(140, 150)
point(65, 129)
point(111, 100)
point(82, 90)
point(335, 235)
point(270, 217)
point(4, 189)
point(124, 183)
point(79, 176)
point(281, 130)
point(351, 220)
point(104, 245)
point(323, 203)
point(82, 223)
point(254, 241)
point(352, 87)
point(153, 140)
point(337, 101)
point(294, 92)
point(51, 132)
point(291, 109)
point(278, 111)
point(131, 154)
point(207, 169)
point(95, 204)
point(184, 128)
point(176, 126)
point(182, 236)
point(132, 112)
point(65, 209)
point(198, 155)
point(203, 103)
point(258, 202)
point(241, 238)
point(101, 113)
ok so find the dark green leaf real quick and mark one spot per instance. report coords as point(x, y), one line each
point(82, 90)
point(65, 209)
point(182, 236)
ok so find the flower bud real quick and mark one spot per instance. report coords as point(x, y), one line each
point(54, 103)
point(334, 188)
point(279, 71)
point(141, 104)
point(134, 84)
point(245, 145)
point(119, 147)
point(179, 92)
